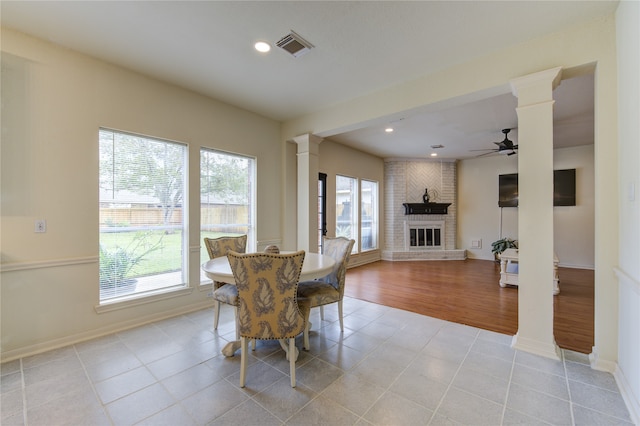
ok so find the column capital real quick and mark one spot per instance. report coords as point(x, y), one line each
point(308, 143)
point(536, 87)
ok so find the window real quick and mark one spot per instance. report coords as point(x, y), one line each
point(369, 215)
point(227, 194)
point(347, 208)
point(358, 224)
point(142, 211)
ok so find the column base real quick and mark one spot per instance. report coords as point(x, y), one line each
point(536, 347)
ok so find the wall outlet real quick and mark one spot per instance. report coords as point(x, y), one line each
point(40, 226)
point(476, 244)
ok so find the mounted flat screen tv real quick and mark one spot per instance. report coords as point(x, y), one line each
point(564, 188)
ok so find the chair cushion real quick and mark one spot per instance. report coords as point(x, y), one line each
point(305, 306)
point(227, 293)
point(318, 292)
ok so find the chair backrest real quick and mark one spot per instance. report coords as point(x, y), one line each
point(339, 249)
point(217, 247)
point(267, 292)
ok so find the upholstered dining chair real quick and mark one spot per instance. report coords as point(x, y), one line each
point(223, 292)
point(268, 307)
point(329, 289)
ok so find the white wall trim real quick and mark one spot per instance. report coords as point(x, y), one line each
point(623, 276)
point(102, 331)
point(630, 399)
point(51, 263)
point(536, 347)
point(600, 364)
point(142, 299)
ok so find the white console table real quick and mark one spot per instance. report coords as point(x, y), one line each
point(509, 269)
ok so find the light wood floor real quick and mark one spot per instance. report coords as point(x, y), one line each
point(467, 292)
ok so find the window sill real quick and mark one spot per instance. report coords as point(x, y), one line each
point(141, 299)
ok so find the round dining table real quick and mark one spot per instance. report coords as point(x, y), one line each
point(315, 265)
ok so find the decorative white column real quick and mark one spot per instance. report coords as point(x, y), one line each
point(308, 150)
point(535, 212)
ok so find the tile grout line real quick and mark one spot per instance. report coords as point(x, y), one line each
point(506, 397)
point(450, 385)
point(93, 388)
point(24, 393)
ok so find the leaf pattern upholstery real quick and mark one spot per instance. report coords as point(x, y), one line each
point(267, 291)
point(329, 289)
point(223, 292)
point(218, 247)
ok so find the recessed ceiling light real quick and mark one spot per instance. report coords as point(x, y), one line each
point(389, 129)
point(262, 46)
point(434, 154)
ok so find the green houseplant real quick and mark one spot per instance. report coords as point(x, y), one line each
point(497, 247)
point(116, 264)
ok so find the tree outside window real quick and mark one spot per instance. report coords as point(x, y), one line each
point(227, 194)
point(142, 211)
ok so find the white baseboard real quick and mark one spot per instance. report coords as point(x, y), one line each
point(102, 331)
point(536, 347)
point(630, 399)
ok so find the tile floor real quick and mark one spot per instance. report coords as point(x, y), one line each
point(390, 367)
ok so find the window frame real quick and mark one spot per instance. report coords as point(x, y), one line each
point(113, 296)
point(374, 221)
point(251, 200)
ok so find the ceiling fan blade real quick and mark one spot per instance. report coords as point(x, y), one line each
point(486, 153)
point(490, 149)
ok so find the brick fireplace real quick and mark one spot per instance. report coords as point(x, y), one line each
point(414, 236)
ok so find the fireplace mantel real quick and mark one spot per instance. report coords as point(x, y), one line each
point(425, 208)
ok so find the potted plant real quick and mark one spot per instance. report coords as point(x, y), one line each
point(497, 247)
point(116, 264)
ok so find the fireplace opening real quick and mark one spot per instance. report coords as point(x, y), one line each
point(426, 235)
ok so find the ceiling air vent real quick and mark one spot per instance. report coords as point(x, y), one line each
point(294, 44)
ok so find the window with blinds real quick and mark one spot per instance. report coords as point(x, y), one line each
point(347, 209)
point(369, 215)
point(227, 198)
point(142, 215)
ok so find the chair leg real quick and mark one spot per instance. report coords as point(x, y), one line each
point(292, 362)
point(322, 312)
point(243, 360)
point(236, 317)
point(305, 345)
point(216, 314)
point(340, 315)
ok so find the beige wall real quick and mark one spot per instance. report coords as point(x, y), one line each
point(53, 102)
point(480, 216)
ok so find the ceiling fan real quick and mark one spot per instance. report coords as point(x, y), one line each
point(505, 146)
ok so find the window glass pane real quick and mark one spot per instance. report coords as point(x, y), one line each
point(142, 228)
point(369, 219)
point(226, 198)
point(347, 208)
point(322, 208)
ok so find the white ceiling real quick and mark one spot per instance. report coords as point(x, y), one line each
point(360, 48)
